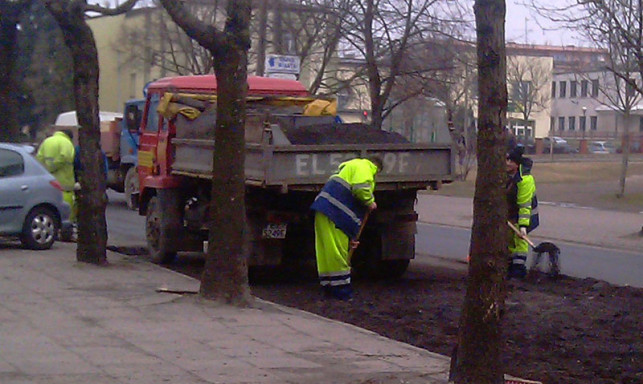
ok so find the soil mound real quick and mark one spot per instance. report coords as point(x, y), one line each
point(355, 133)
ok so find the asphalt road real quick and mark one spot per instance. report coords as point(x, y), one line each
point(435, 244)
point(614, 266)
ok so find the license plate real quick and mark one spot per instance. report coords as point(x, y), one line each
point(274, 231)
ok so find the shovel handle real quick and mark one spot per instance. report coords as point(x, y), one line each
point(517, 231)
point(359, 233)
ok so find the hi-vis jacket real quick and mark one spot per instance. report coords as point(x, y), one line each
point(346, 195)
point(521, 197)
point(56, 153)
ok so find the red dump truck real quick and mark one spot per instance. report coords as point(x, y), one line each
point(289, 156)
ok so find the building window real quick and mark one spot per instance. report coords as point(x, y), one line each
point(288, 44)
point(584, 88)
point(561, 123)
point(572, 88)
point(521, 91)
point(595, 88)
point(552, 123)
point(563, 89)
point(553, 89)
point(630, 91)
point(641, 124)
point(593, 123)
point(572, 123)
point(582, 123)
point(132, 85)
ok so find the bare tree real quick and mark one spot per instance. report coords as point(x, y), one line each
point(616, 25)
point(478, 358)
point(92, 227)
point(307, 29)
point(386, 34)
point(225, 275)
point(529, 81)
point(10, 13)
point(160, 43)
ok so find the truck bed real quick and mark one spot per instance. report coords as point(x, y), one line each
point(307, 167)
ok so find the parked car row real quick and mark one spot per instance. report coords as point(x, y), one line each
point(561, 145)
point(31, 199)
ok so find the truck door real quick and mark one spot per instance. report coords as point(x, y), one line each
point(147, 153)
point(130, 130)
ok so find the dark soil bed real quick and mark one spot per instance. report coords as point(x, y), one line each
point(563, 331)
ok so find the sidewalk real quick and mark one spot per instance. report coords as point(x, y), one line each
point(557, 223)
point(64, 322)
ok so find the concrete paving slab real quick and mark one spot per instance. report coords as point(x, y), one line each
point(71, 323)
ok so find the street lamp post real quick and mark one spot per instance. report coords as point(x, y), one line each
point(584, 125)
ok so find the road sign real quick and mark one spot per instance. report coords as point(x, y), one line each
point(282, 64)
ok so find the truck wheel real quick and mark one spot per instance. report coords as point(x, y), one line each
point(39, 229)
point(131, 188)
point(392, 269)
point(155, 233)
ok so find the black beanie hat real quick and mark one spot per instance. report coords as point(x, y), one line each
point(516, 154)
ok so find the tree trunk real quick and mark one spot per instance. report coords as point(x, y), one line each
point(92, 226)
point(479, 354)
point(9, 18)
point(626, 155)
point(225, 275)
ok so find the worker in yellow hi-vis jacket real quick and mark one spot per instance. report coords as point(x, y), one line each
point(56, 153)
point(522, 207)
point(340, 208)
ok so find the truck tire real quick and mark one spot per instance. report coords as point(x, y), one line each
point(155, 233)
point(392, 269)
point(131, 188)
point(368, 261)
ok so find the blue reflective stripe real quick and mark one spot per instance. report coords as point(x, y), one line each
point(340, 206)
point(337, 202)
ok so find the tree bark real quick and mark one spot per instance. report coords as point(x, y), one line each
point(91, 199)
point(479, 352)
point(225, 275)
point(92, 226)
point(9, 18)
point(626, 155)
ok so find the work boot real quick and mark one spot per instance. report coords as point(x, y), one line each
point(342, 292)
point(518, 271)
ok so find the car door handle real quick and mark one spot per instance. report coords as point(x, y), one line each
point(24, 187)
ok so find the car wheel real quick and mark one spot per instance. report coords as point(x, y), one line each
point(131, 188)
point(155, 233)
point(39, 229)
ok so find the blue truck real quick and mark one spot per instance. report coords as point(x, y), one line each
point(123, 175)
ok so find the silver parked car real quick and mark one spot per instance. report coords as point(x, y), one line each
point(31, 200)
point(601, 147)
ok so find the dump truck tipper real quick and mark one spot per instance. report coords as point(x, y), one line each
point(289, 155)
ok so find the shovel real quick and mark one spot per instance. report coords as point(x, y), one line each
point(546, 247)
point(359, 233)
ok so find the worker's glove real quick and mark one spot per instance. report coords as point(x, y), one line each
point(354, 244)
point(77, 186)
point(523, 231)
point(372, 206)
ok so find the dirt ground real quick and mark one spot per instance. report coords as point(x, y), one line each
point(568, 331)
point(565, 331)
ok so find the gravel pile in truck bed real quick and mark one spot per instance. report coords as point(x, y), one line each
point(355, 133)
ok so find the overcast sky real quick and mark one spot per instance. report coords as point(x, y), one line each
point(523, 25)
